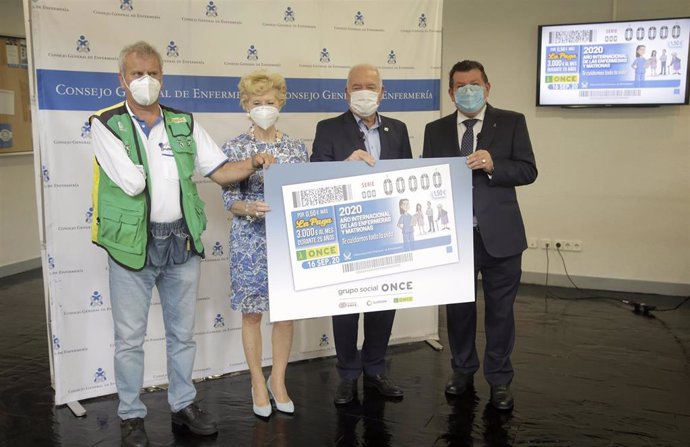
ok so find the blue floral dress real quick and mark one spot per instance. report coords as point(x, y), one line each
point(248, 262)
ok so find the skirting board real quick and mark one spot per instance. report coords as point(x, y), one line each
point(611, 284)
point(20, 267)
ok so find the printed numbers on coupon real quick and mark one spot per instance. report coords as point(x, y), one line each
point(306, 232)
point(593, 50)
point(323, 262)
point(350, 210)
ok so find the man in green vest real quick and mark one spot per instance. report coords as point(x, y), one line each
point(149, 218)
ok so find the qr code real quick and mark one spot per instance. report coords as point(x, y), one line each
point(321, 196)
point(574, 36)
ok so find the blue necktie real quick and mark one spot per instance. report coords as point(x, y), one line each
point(467, 142)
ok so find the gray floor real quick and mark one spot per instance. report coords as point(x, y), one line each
point(589, 372)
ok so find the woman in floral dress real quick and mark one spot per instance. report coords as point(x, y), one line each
point(262, 95)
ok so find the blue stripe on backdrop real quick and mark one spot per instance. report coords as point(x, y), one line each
point(91, 91)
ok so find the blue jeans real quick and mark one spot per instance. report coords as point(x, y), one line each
point(175, 272)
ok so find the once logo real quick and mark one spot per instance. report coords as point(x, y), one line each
point(395, 286)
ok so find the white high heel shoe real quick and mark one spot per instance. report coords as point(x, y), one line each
point(263, 411)
point(284, 407)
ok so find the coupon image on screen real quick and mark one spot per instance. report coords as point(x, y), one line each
point(614, 63)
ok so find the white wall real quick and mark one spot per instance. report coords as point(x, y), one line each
point(19, 241)
point(616, 179)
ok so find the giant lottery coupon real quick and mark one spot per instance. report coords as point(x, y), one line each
point(369, 225)
point(395, 235)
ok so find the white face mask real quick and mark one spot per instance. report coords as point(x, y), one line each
point(364, 103)
point(264, 116)
point(145, 90)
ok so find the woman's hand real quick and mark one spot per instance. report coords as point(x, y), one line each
point(256, 209)
point(262, 160)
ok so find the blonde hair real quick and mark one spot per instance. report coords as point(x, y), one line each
point(259, 82)
point(142, 49)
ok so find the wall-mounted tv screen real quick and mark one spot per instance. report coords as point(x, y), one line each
point(627, 63)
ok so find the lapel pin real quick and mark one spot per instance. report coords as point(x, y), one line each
point(385, 129)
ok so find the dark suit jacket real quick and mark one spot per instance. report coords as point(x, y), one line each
point(336, 138)
point(504, 134)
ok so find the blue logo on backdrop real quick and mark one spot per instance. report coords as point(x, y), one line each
point(217, 249)
point(126, 5)
point(89, 91)
point(289, 15)
point(89, 215)
point(359, 18)
point(99, 376)
point(96, 299)
point(86, 130)
point(324, 340)
point(218, 321)
point(51, 262)
point(422, 21)
point(211, 10)
point(172, 49)
point(56, 342)
point(46, 176)
point(252, 53)
point(83, 45)
point(391, 58)
point(325, 56)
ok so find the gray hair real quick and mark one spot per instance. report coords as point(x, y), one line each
point(365, 66)
point(140, 48)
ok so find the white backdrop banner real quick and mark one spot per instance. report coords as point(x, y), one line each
point(206, 46)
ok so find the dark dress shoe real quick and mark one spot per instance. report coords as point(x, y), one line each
point(195, 420)
point(501, 397)
point(384, 385)
point(459, 384)
point(133, 433)
point(345, 393)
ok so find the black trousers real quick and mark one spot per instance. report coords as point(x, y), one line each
point(377, 332)
point(500, 281)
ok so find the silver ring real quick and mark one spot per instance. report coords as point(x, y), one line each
point(483, 161)
point(256, 213)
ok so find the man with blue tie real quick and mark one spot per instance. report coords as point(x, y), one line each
point(362, 133)
point(499, 153)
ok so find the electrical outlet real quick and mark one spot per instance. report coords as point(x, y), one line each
point(545, 244)
point(532, 242)
point(567, 245)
